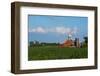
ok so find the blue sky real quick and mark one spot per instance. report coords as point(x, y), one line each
point(56, 28)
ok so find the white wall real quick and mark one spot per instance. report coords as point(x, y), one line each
point(5, 33)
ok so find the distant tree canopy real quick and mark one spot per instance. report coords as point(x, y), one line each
point(85, 43)
point(31, 43)
point(37, 43)
point(86, 39)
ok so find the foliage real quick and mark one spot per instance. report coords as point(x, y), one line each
point(85, 43)
point(86, 39)
point(37, 43)
point(31, 43)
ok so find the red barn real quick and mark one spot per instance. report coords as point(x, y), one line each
point(68, 43)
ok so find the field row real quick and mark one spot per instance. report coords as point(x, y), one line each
point(55, 52)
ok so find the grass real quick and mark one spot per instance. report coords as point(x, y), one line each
point(55, 52)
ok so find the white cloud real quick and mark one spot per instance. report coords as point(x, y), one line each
point(59, 30)
point(38, 30)
point(62, 30)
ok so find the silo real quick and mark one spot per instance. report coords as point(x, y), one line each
point(77, 44)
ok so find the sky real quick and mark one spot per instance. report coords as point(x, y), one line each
point(46, 28)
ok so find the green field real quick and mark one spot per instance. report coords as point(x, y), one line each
point(55, 52)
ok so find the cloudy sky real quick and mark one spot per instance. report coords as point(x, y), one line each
point(56, 28)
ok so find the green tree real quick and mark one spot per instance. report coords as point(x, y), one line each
point(31, 43)
point(85, 43)
point(86, 39)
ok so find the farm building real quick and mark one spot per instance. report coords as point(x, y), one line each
point(71, 43)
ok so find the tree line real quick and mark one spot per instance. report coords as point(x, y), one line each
point(37, 43)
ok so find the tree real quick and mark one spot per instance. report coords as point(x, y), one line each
point(31, 43)
point(86, 39)
point(36, 42)
point(85, 43)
